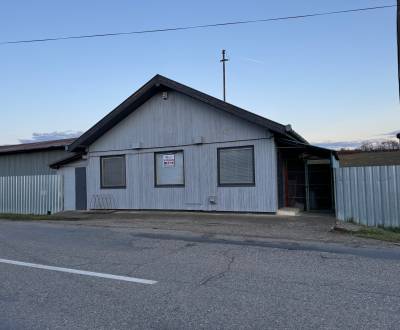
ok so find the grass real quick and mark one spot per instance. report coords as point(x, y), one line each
point(382, 234)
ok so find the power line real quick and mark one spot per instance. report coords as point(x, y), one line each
point(204, 26)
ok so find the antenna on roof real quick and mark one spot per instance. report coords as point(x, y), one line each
point(223, 60)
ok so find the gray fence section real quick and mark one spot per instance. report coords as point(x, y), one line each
point(368, 195)
point(36, 194)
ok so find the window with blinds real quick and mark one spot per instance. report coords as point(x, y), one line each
point(112, 171)
point(169, 169)
point(236, 166)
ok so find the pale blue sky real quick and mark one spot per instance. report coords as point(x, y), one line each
point(334, 78)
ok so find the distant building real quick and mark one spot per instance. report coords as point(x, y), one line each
point(32, 158)
point(369, 158)
point(367, 187)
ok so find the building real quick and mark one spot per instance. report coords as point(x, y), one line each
point(32, 158)
point(367, 187)
point(369, 158)
point(169, 146)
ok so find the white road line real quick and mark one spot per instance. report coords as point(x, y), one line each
point(79, 272)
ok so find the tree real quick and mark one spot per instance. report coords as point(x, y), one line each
point(379, 146)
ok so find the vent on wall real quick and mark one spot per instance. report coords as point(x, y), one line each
point(212, 200)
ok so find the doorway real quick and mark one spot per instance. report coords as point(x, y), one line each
point(305, 177)
point(319, 194)
point(80, 188)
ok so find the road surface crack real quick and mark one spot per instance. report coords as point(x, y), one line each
point(219, 275)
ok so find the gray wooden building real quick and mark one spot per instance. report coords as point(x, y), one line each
point(169, 146)
point(32, 158)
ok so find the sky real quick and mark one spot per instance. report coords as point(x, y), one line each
point(333, 78)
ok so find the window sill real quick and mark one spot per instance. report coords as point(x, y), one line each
point(237, 185)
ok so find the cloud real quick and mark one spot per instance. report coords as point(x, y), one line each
point(336, 145)
point(391, 134)
point(352, 144)
point(39, 137)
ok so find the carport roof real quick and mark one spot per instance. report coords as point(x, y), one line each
point(160, 83)
point(310, 149)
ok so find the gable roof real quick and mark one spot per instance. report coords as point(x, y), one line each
point(35, 146)
point(160, 83)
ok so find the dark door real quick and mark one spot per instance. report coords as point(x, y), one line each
point(320, 187)
point(80, 188)
point(295, 192)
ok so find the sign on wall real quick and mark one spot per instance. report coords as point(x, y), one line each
point(169, 160)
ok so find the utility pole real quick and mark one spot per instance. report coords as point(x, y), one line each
point(398, 42)
point(223, 60)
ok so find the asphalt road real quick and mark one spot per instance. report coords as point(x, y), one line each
point(202, 282)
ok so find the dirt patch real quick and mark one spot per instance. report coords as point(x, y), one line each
point(304, 227)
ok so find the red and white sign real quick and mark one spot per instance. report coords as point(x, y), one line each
point(168, 160)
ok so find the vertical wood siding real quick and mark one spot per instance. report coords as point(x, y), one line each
point(30, 163)
point(200, 183)
point(176, 121)
point(368, 195)
point(176, 124)
point(36, 194)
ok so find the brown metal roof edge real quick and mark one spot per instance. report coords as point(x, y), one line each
point(36, 146)
point(370, 158)
point(285, 141)
point(353, 152)
point(156, 84)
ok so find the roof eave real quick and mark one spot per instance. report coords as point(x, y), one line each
point(67, 160)
point(90, 135)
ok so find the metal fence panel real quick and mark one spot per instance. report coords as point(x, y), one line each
point(368, 195)
point(36, 194)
